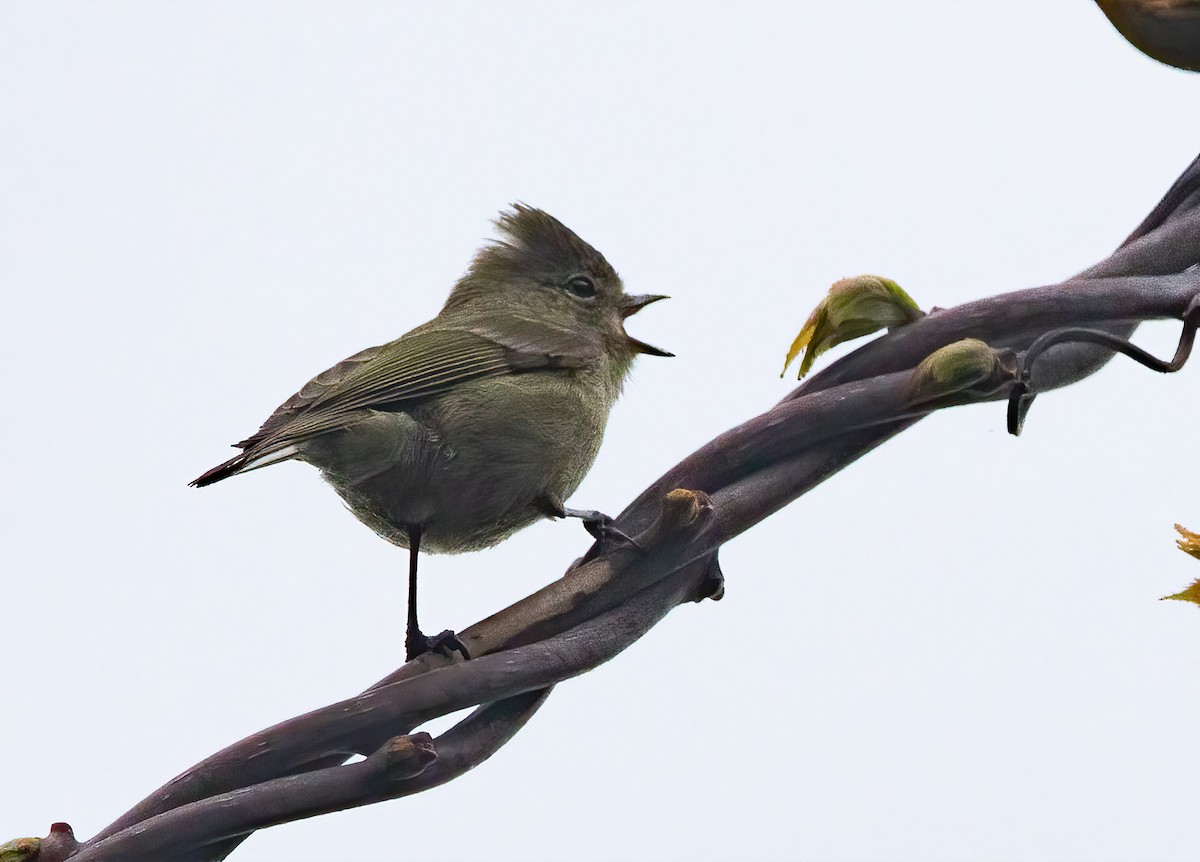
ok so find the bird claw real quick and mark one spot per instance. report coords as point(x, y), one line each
point(445, 644)
point(601, 526)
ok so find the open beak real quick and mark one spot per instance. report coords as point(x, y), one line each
point(631, 305)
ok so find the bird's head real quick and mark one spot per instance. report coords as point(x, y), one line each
point(541, 271)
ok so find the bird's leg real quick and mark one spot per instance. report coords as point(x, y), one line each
point(415, 643)
point(600, 525)
point(597, 523)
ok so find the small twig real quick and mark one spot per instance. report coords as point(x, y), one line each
point(60, 844)
point(1023, 394)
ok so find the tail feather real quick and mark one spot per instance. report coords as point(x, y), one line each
point(222, 471)
point(244, 463)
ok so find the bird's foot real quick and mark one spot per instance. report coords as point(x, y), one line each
point(600, 526)
point(446, 644)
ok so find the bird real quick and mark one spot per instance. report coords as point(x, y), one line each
point(479, 422)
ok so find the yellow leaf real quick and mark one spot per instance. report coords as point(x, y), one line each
point(1190, 543)
point(1191, 594)
point(854, 307)
point(20, 850)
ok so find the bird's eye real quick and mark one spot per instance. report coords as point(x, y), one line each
point(582, 287)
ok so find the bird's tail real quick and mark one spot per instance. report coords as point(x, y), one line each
point(249, 460)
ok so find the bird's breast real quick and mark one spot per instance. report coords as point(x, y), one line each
point(473, 465)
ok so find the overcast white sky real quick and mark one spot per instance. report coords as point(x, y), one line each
point(953, 649)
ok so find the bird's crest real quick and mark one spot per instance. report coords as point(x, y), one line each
point(532, 244)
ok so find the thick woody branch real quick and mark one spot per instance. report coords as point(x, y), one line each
point(611, 597)
point(403, 765)
point(752, 470)
point(361, 723)
point(762, 465)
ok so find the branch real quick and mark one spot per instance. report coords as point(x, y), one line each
point(401, 766)
point(612, 596)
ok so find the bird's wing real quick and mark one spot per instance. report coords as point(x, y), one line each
point(421, 364)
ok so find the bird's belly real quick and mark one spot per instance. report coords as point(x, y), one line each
point(456, 511)
point(470, 470)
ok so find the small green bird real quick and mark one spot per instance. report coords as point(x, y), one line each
point(481, 421)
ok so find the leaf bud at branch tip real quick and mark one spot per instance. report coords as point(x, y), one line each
point(60, 844)
point(20, 850)
point(1189, 544)
point(964, 368)
point(854, 307)
point(1191, 594)
point(683, 508)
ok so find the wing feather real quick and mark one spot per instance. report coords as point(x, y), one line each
point(418, 365)
point(421, 364)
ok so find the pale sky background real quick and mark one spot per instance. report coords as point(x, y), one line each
point(952, 650)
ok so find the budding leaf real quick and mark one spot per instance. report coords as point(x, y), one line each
point(1191, 594)
point(969, 365)
point(853, 308)
point(20, 850)
point(1189, 544)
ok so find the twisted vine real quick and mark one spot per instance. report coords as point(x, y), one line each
point(612, 596)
